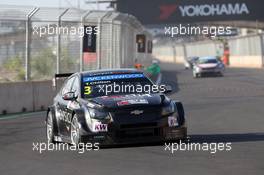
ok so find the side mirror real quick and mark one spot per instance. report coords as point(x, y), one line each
point(70, 96)
point(168, 89)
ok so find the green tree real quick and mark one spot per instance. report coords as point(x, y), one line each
point(67, 64)
point(14, 69)
point(43, 64)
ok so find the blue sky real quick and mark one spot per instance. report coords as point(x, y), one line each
point(52, 3)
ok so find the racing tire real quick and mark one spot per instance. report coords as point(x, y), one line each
point(195, 75)
point(75, 130)
point(50, 128)
point(181, 113)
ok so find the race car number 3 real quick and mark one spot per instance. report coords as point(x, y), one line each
point(87, 90)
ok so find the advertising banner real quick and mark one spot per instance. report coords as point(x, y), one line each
point(192, 11)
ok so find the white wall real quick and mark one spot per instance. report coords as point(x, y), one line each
point(245, 51)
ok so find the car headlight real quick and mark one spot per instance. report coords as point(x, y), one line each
point(168, 109)
point(220, 65)
point(198, 69)
point(95, 114)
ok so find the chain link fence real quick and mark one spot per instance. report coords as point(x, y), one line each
point(31, 48)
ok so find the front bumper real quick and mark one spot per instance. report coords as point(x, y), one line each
point(136, 135)
point(211, 70)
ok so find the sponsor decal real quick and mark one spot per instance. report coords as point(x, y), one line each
point(172, 121)
point(100, 127)
point(140, 95)
point(214, 9)
point(97, 82)
point(126, 97)
point(136, 112)
point(167, 11)
point(114, 97)
point(112, 77)
point(132, 102)
point(122, 103)
point(138, 101)
point(63, 115)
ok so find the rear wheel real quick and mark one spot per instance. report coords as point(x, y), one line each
point(75, 131)
point(50, 128)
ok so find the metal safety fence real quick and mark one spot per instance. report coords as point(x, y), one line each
point(36, 43)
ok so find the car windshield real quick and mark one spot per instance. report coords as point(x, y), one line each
point(117, 84)
point(192, 59)
point(207, 60)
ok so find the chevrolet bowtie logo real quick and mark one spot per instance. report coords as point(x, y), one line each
point(136, 112)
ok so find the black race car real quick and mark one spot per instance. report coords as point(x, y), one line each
point(85, 111)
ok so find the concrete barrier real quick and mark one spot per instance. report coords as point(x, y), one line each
point(16, 97)
point(245, 51)
point(170, 59)
point(248, 61)
point(43, 95)
point(25, 96)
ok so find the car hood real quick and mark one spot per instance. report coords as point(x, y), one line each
point(131, 100)
point(209, 65)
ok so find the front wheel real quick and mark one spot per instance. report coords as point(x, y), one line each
point(75, 131)
point(181, 113)
point(50, 128)
point(195, 75)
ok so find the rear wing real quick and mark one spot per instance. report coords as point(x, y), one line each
point(63, 75)
point(58, 76)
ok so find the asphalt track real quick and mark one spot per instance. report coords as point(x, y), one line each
point(218, 109)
